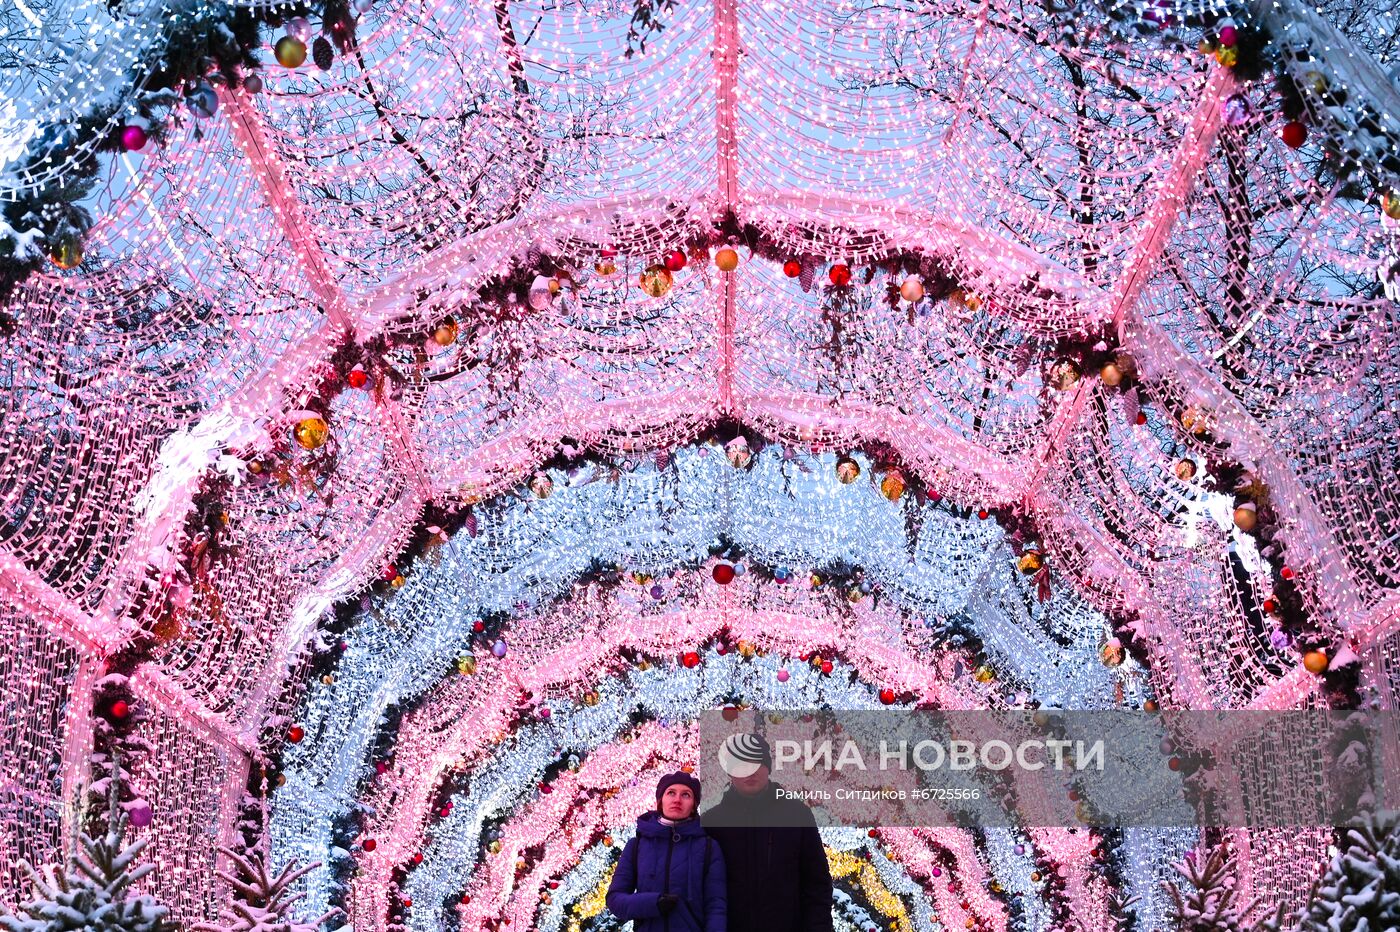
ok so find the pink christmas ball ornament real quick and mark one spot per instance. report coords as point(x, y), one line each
point(134, 138)
point(141, 813)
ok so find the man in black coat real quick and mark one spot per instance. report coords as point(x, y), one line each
point(774, 862)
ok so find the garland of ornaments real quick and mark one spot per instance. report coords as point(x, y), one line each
point(200, 46)
point(1314, 101)
point(1253, 515)
point(216, 43)
point(119, 752)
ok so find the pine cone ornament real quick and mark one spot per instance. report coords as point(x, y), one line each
point(322, 53)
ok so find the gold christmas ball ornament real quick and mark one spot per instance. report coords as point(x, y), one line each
point(847, 470)
point(398, 581)
point(912, 289)
point(892, 485)
point(445, 334)
point(1064, 375)
point(972, 302)
point(590, 698)
point(1195, 420)
point(290, 52)
point(1111, 653)
point(67, 253)
point(1185, 469)
point(747, 649)
point(466, 664)
point(738, 453)
point(606, 266)
point(1111, 374)
point(542, 485)
point(1390, 203)
point(656, 281)
point(1227, 56)
point(1246, 517)
point(494, 847)
point(553, 286)
point(983, 674)
point(1031, 561)
point(311, 433)
point(726, 259)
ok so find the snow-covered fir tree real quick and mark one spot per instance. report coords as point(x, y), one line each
point(1361, 890)
point(1207, 902)
point(262, 902)
point(93, 891)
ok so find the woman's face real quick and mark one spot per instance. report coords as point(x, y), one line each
point(678, 802)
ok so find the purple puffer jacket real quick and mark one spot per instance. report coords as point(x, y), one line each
point(679, 859)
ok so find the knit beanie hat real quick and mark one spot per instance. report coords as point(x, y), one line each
point(681, 777)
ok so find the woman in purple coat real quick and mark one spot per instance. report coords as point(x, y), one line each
point(670, 877)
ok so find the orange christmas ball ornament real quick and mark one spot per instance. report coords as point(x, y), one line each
point(311, 433)
point(1315, 661)
point(67, 253)
point(1246, 517)
point(726, 259)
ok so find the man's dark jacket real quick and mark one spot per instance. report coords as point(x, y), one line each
point(774, 863)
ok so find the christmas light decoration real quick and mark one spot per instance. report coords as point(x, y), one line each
point(414, 415)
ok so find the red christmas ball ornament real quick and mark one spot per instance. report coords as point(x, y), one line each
point(691, 659)
point(1141, 418)
point(1287, 572)
point(295, 734)
point(466, 899)
point(1270, 606)
point(369, 844)
point(840, 275)
point(723, 574)
point(827, 666)
point(380, 767)
point(390, 573)
point(887, 696)
point(120, 709)
point(418, 857)
point(983, 513)
point(1294, 134)
point(729, 713)
point(358, 378)
point(792, 268)
point(675, 260)
point(407, 902)
point(478, 626)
